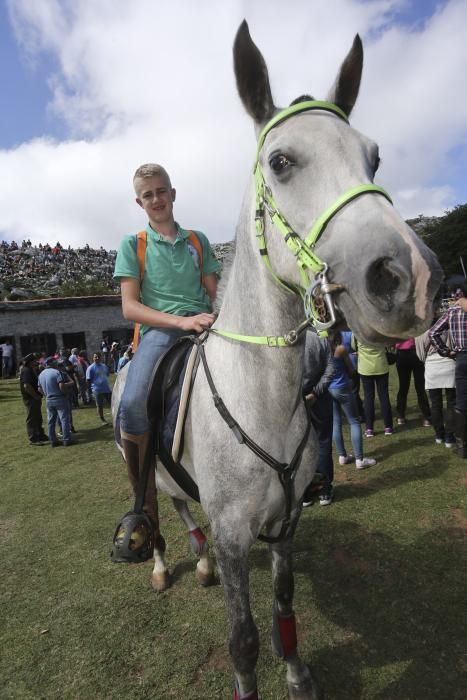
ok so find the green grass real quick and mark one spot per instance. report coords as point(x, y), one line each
point(380, 579)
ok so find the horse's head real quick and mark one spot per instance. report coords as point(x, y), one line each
point(314, 184)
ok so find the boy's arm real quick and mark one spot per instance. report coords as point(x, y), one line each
point(134, 310)
point(210, 284)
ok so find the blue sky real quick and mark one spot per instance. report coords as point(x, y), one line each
point(80, 103)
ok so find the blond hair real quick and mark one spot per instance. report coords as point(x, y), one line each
point(151, 170)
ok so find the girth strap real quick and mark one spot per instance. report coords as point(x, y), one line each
point(286, 472)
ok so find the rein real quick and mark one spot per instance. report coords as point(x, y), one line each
point(286, 472)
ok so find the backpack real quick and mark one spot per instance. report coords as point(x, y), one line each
point(141, 245)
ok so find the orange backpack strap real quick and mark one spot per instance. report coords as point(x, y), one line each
point(194, 240)
point(141, 244)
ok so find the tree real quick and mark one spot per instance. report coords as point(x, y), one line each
point(447, 237)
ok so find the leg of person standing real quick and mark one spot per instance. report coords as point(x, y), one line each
point(461, 404)
point(436, 398)
point(64, 413)
point(382, 387)
point(450, 417)
point(321, 413)
point(348, 405)
point(418, 369)
point(404, 371)
point(369, 403)
point(51, 422)
point(337, 435)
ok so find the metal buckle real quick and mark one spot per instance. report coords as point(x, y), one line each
point(327, 289)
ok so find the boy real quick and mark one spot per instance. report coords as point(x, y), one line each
point(174, 298)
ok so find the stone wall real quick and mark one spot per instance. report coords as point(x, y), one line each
point(88, 315)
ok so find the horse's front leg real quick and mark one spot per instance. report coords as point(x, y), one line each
point(232, 561)
point(300, 682)
point(198, 543)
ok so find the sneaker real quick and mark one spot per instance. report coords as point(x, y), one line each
point(365, 462)
point(67, 443)
point(388, 431)
point(439, 440)
point(450, 441)
point(401, 421)
point(325, 498)
point(427, 423)
point(369, 433)
point(346, 459)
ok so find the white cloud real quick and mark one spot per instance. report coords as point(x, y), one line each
point(150, 81)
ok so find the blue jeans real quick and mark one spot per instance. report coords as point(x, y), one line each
point(344, 400)
point(320, 414)
point(59, 408)
point(132, 411)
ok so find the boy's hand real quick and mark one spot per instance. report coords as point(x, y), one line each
point(197, 323)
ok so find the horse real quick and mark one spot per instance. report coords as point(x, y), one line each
point(331, 248)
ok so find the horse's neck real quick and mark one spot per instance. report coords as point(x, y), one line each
point(254, 305)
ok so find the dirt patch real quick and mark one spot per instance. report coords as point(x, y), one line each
point(217, 659)
point(348, 563)
point(457, 528)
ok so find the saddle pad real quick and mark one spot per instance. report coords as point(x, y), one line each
point(188, 380)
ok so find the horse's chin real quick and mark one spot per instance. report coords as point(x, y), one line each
point(370, 331)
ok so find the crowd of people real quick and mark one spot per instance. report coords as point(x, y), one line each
point(336, 366)
point(48, 265)
point(66, 380)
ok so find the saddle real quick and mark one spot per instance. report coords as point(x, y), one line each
point(168, 399)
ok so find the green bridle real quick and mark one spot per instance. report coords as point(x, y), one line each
point(312, 269)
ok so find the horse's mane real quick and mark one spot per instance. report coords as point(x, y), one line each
point(227, 263)
point(302, 98)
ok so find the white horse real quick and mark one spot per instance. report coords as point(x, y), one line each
point(313, 182)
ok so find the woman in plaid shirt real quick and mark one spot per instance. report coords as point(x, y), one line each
point(455, 321)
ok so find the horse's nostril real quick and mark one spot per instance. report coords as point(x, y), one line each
point(382, 281)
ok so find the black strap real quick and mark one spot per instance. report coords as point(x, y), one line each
point(286, 472)
point(149, 457)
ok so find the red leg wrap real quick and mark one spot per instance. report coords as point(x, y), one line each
point(197, 541)
point(288, 634)
point(199, 536)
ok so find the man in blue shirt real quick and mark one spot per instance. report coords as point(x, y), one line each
point(96, 378)
point(54, 386)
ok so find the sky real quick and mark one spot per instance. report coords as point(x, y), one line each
point(90, 90)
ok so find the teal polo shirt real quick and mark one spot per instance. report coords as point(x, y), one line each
point(172, 278)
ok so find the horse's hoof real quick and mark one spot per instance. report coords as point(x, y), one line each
point(305, 690)
point(160, 582)
point(205, 579)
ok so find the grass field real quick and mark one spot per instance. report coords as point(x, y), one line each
point(380, 580)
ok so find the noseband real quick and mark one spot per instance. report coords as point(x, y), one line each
point(313, 271)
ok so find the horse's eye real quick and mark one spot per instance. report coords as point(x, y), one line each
point(377, 164)
point(279, 163)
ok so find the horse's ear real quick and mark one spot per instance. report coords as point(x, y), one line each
point(345, 89)
point(252, 76)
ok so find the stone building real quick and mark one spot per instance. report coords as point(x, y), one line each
point(42, 325)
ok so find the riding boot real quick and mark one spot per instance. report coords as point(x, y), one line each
point(134, 448)
point(461, 434)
